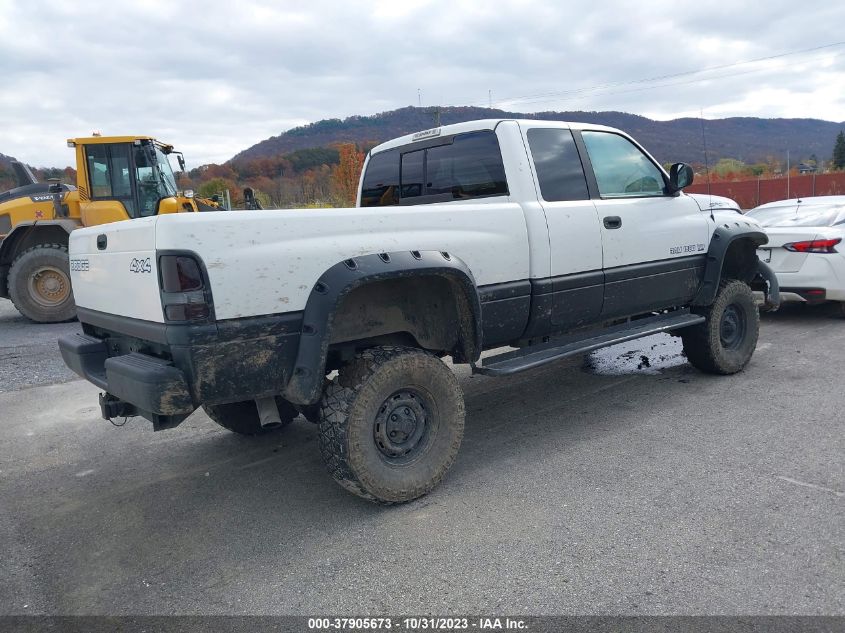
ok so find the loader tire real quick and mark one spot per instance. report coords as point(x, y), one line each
point(39, 284)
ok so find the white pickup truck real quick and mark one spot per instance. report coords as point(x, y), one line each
point(547, 237)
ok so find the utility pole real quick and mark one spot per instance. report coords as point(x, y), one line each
point(419, 98)
point(788, 196)
point(436, 112)
point(490, 99)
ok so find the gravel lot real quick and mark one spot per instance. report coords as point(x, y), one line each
point(600, 485)
point(28, 352)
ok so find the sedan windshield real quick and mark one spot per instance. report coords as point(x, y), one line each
point(797, 215)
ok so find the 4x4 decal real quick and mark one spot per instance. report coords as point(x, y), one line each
point(140, 265)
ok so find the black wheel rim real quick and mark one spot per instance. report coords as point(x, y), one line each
point(732, 327)
point(402, 426)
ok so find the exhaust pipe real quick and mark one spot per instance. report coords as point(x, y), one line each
point(268, 413)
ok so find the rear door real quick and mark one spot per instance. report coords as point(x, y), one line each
point(654, 244)
point(575, 290)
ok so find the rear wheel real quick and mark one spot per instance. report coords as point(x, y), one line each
point(242, 417)
point(725, 342)
point(39, 284)
point(391, 424)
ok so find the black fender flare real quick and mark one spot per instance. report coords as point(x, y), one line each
point(10, 245)
point(23, 229)
point(723, 237)
point(306, 381)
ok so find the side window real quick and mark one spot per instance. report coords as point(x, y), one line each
point(559, 170)
point(98, 171)
point(121, 182)
point(621, 169)
point(109, 170)
point(380, 186)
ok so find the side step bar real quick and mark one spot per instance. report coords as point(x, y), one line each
point(536, 355)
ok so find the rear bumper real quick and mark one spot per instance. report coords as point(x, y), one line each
point(818, 272)
point(164, 372)
point(135, 384)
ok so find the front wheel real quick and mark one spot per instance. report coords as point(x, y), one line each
point(725, 342)
point(391, 424)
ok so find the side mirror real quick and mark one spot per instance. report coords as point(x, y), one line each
point(680, 176)
point(181, 160)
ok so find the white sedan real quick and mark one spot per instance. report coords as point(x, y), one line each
point(806, 248)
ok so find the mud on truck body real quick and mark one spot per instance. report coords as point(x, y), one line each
point(550, 238)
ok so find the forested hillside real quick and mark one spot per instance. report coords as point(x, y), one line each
point(748, 139)
point(7, 176)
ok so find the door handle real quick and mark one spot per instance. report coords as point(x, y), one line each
point(102, 241)
point(612, 222)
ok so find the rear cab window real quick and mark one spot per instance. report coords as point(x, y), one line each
point(465, 166)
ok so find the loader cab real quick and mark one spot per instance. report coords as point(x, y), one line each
point(120, 178)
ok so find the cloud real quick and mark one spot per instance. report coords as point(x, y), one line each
point(216, 77)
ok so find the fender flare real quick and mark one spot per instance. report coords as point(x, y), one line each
point(308, 371)
point(23, 228)
point(9, 245)
point(720, 243)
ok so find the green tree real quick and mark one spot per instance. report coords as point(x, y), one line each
point(214, 186)
point(839, 151)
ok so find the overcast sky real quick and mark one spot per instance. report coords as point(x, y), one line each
point(215, 77)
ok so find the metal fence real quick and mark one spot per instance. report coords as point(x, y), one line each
point(752, 193)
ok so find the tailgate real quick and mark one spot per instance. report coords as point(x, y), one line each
point(113, 269)
point(780, 259)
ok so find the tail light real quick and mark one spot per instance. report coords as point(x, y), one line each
point(184, 293)
point(813, 246)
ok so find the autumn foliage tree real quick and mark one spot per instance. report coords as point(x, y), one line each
point(346, 173)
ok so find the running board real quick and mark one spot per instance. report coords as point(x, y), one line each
point(536, 355)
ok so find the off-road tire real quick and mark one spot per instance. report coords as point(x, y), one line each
point(725, 342)
point(351, 413)
point(52, 258)
point(242, 417)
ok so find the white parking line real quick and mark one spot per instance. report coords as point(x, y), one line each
point(809, 485)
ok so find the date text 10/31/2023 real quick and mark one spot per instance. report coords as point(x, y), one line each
point(416, 624)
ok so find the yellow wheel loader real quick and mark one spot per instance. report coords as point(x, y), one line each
point(117, 178)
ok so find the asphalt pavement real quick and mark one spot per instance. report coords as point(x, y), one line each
point(28, 352)
point(603, 484)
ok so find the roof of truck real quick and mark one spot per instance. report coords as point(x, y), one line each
point(482, 124)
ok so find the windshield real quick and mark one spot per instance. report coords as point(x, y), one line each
point(797, 215)
point(166, 172)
